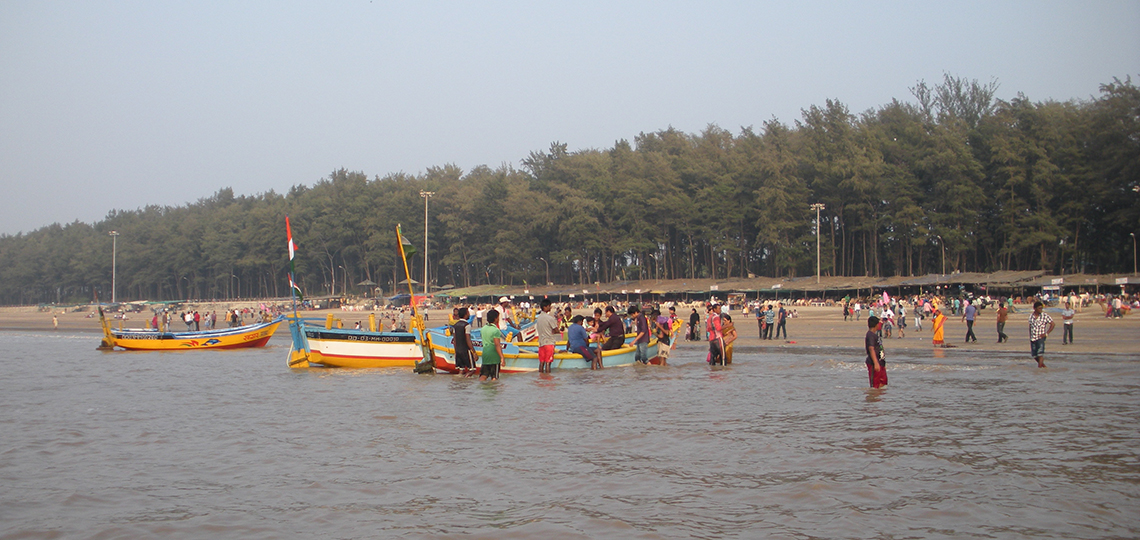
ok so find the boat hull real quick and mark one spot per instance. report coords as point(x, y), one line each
point(256, 335)
point(353, 348)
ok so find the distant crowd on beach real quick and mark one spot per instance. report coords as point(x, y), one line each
point(885, 313)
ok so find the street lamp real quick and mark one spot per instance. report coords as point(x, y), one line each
point(426, 195)
point(942, 243)
point(1133, 252)
point(238, 295)
point(547, 270)
point(114, 253)
point(817, 207)
point(344, 285)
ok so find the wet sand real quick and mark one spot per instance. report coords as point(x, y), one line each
point(816, 327)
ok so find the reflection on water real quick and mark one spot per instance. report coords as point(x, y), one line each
point(231, 443)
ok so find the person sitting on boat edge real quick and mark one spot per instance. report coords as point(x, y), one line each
point(492, 347)
point(641, 341)
point(547, 327)
point(506, 320)
point(578, 340)
point(616, 329)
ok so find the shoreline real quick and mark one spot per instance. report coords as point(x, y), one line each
point(816, 328)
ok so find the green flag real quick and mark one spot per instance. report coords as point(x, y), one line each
point(409, 249)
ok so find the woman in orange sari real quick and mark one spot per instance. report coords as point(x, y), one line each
point(729, 331)
point(939, 325)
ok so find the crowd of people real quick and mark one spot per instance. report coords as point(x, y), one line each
point(196, 321)
point(887, 317)
point(587, 336)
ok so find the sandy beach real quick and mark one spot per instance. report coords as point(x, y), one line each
point(815, 328)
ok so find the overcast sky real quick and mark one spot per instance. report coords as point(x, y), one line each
point(119, 105)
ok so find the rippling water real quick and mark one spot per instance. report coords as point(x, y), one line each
point(233, 444)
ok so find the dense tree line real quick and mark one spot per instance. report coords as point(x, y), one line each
point(954, 177)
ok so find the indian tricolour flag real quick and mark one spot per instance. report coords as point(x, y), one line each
point(292, 254)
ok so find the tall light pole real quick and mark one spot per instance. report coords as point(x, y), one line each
point(114, 256)
point(942, 243)
point(1133, 252)
point(817, 207)
point(426, 195)
point(547, 270)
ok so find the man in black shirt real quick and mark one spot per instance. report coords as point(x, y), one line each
point(876, 363)
point(464, 347)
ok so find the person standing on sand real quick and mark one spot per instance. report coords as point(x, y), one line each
point(887, 318)
point(1067, 324)
point(1002, 315)
point(781, 321)
point(876, 362)
point(939, 327)
point(760, 320)
point(694, 323)
point(902, 321)
point(968, 315)
point(769, 321)
point(1040, 324)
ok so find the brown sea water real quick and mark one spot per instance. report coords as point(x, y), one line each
point(232, 444)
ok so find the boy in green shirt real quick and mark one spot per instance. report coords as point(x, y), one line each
point(492, 347)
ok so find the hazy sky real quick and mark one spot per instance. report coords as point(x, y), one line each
point(118, 105)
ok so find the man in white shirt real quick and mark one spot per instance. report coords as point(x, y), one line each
point(1067, 320)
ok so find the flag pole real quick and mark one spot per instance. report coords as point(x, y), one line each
point(292, 283)
point(299, 353)
point(417, 318)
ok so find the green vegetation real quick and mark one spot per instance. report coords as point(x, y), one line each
point(1006, 185)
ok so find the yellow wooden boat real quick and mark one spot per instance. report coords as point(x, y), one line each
point(140, 339)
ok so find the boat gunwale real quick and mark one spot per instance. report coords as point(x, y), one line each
point(194, 334)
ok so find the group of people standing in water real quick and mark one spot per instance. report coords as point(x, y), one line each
point(605, 328)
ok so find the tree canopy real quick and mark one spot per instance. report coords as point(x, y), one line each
point(954, 180)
